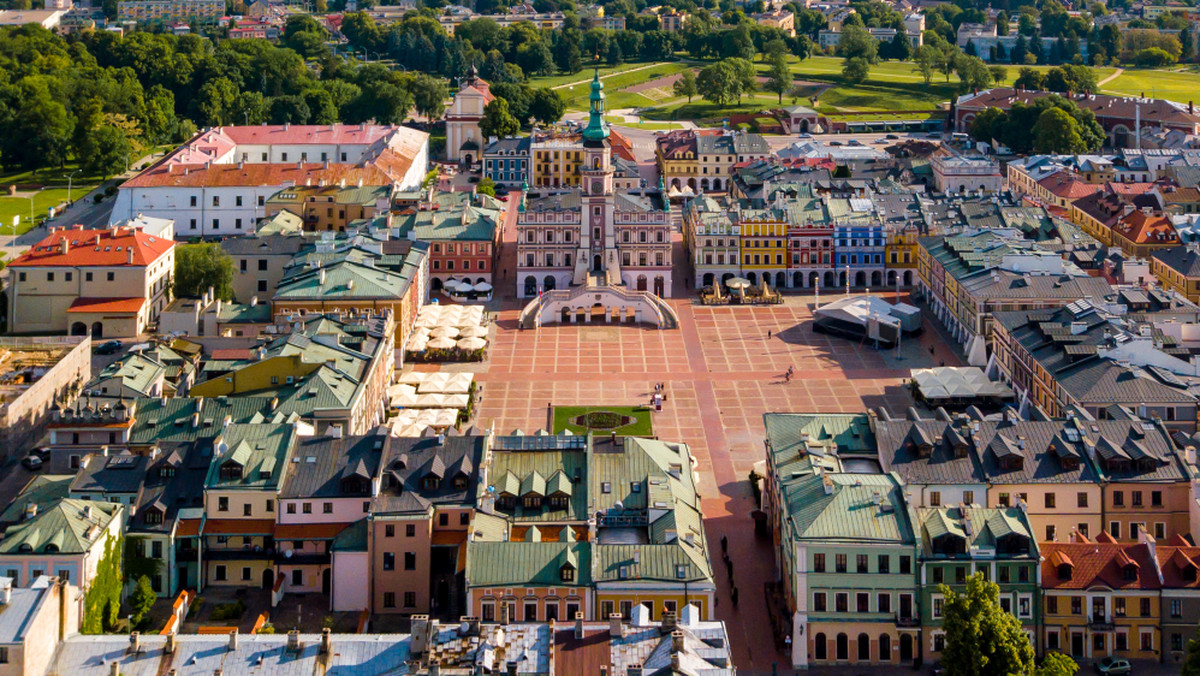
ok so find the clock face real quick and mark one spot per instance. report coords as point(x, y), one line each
point(597, 187)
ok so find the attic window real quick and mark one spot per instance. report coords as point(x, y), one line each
point(166, 472)
point(1130, 572)
point(567, 573)
point(1064, 571)
point(1189, 573)
point(680, 571)
point(431, 483)
point(231, 471)
point(460, 482)
point(153, 515)
point(606, 487)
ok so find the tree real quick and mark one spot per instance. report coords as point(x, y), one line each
point(898, 48)
point(497, 120)
point(988, 125)
point(779, 76)
point(926, 59)
point(1056, 664)
point(141, 600)
point(855, 70)
point(1191, 663)
point(1030, 79)
point(102, 603)
point(105, 152)
point(1057, 132)
point(982, 639)
point(429, 96)
point(1153, 57)
point(200, 266)
point(547, 106)
point(718, 83)
point(973, 72)
point(856, 43)
point(486, 187)
point(685, 85)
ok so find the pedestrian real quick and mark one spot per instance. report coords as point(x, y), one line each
point(735, 597)
point(930, 349)
point(768, 333)
point(724, 543)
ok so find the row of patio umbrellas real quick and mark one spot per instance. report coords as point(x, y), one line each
point(464, 286)
point(419, 343)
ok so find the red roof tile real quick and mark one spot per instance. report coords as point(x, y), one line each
point(120, 305)
point(95, 248)
point(232, 175)
point(298, 134)
point(1098, 564)
point(585, 655)
point(1142, 228)
point(1175, 562)
point(1068, 186)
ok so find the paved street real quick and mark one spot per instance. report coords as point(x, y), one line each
point(722, 373)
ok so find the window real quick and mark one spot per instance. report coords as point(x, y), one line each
point(863, 602)
point(937, 606)
point(111, 276)
point(861, 563)
point(960, 574)
point(818, 563)
point(1050, 500)
point(819, 602)
point(883, 561)
point(939, 642)
point(841, 602)
point(245, 510)
point(1051, 605)
point(410, 561)
point(307, 508)
point(1176, 608)
point(327, 508)
point(905, 564)
point(1119, 606)
point(1004, 500)
point(1081, 499)
point(1144, 607)
point(297, 577)
point(87, 276)
point(443, 519)
point(938, 575)
point(220, 574)
point(1118, 498)
point(222, 504)
point(270, 505)
point(410, 530)
point(1147, 640)
point(935, 498)
point(464, 518)
point(840, 563)
point(969, 497)
point(1155, 496)
point(1076, 605)
point(388, 531)
point(1136, 498)
point(389, 561)
point(531, 611)
point(1050, 531)
point(389, 600)
point(883, 603)
point(1114, 529)
point(1004, 573)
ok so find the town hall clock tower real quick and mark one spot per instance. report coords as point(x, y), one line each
point(598, 242)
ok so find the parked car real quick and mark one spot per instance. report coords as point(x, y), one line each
point(893, 137)
point(855, 142)
point(835, 143)
point(32, 463)
point(108, 347)
point(803, 135)
point(1114, 666)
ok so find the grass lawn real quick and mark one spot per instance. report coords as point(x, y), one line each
point(619, 121)
point(585, 74)
point(577, 95)
point(565, 418)
point(1180, 85)
point(42, 201)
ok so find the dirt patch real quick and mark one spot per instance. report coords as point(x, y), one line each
point(657, 83)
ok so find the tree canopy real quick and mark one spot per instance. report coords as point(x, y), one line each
point(199, 266)
point(982, 639)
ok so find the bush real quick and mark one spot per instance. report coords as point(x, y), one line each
point(110, 191)
point(267, 628)
point(229, 611)
point(97, 198)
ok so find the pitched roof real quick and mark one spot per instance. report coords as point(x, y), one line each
point(529, 564)
point(95, 248)
point(261, 450)
point(248, 175)
point(69, 527)
point(1098, 564)
point(1159, 111)
point(321, 465)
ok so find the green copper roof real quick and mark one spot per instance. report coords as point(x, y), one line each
point(597, 129)
point(65, 528)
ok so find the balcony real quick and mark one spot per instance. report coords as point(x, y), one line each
point(1100, 622)
point(907, 621)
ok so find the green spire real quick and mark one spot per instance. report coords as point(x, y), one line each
point(597, 129)
point(524, 190)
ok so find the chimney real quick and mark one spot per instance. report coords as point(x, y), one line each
point(6, 591)
point(114, 668)
point(169, 647)
point(616, 628)
point(504, 615)
point(64, 246)
point(87, 511)
point(578, 625)
point(326, 641)
point(670, 621)
point(129, 255)
point(511, 669)
point(135, 642)
point(31, 510)
point(293, 640)
point(675, 662)
point(233, 640)
point(420, 633)
point(677, 641)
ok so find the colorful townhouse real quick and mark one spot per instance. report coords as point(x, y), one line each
point(764, 244)
point(810, 234)
point(601, 526)
point(417, 537)
point(463, 232)
point(67, 539)
point(331, 207)
point(1101, 599)
point(713, 238)
point(846, 546)
point(1179, 608)
point(859, 242)
point(241, 494)
point(958, 542)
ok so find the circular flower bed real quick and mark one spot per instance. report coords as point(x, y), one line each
point(602, 420)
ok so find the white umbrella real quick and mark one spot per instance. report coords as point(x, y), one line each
point(418, 344)
point(738, 283)
point(483, 286)
point(472, 343)
point(473, 332)
point(441, 343)
point(444, 332)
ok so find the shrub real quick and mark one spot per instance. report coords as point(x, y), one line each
point(97, 198)
point(229, 611)
point(267, 628)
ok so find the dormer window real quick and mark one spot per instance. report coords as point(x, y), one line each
point(1064, 571)
point(25, 547)
point(1130, 572)
point(558, 501)
point(51, 548)
point(532, 501)
point(924, 450)
point(1189, 573)
point(460, 482)
point(154, 515)
point(431, 483)
point(567, 573)
point(231, 471)
point(166, 472)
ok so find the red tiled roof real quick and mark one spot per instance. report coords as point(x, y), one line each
point(1106, 538)
point(118, 305)
point(1158, 111)
point(1098, 564)
point(95, 248)
point(1067, 185)
point(188, 528)
point(1128, 188)
point(1174, 561)
point(308, 134)
point(232, 175)
point(583, 655)
point(1142, 228)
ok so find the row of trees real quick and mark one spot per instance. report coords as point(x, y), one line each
point(1048, 125)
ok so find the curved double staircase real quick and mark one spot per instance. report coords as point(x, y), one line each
point(546, 308)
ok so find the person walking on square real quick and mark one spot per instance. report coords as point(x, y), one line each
point(724, 543)
point(735, 597)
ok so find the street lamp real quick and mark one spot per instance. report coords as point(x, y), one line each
point(69, 179)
